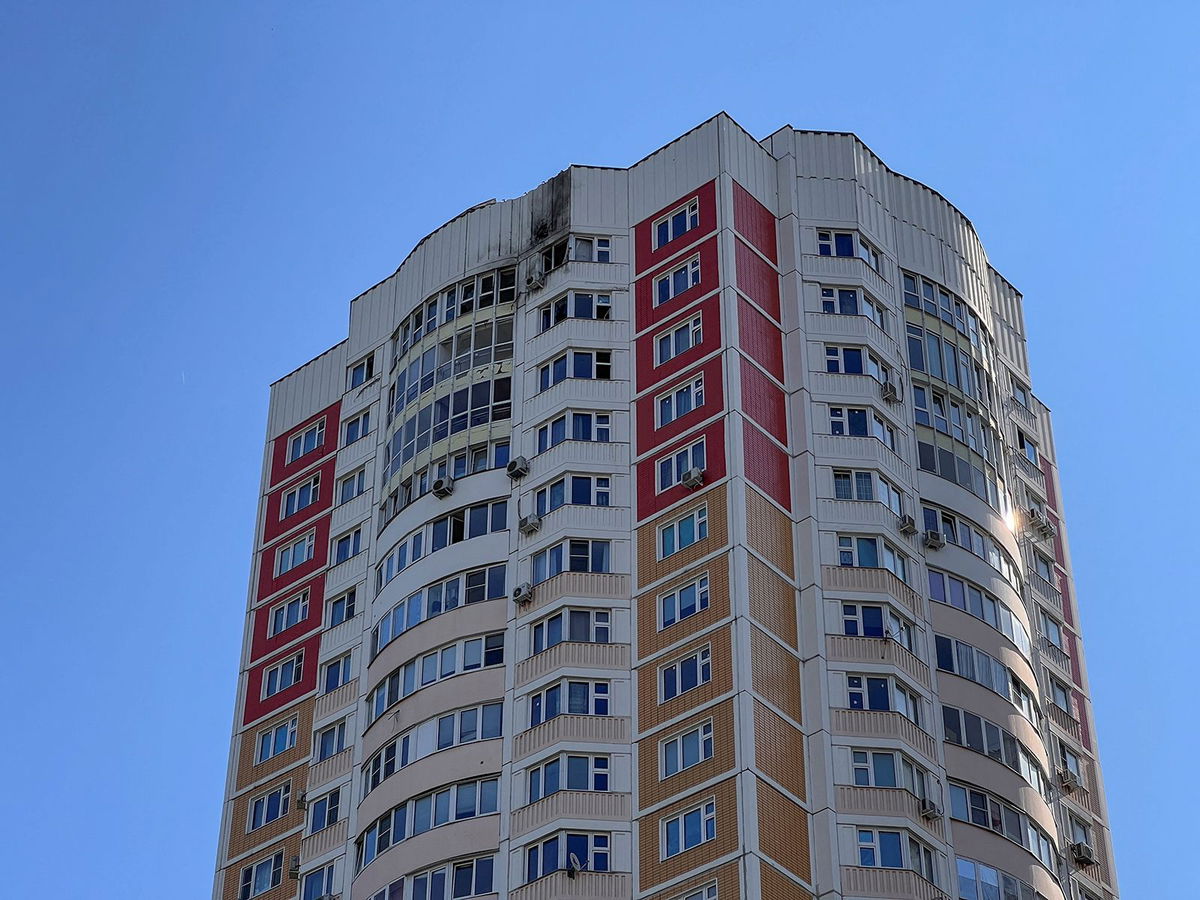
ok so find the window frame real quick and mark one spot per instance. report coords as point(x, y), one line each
point(672, 750)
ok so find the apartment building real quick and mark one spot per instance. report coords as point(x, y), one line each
point(685, 531)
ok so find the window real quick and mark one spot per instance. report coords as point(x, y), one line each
point(835, 243)
point(977, 881)
point(672, 468)
point(1044, 568)
point(860, 485)
point(352, 485)
point(554, 255)
point(347, 545)
point(588, 626)
point(436, 665)
point(1028, 447)
point(871, 553)
point(1060, 694)
point(844, 360)
point(583, 427)
point(460, 525)
point(976, 733)
point(585, 490)
point(874, 769)
point(683, 532)
point(575, 305)
point(678, 340)
point(1070, 760)
point(675, 282)
point(878, 693)
point(453, 803)
point(356, 428)
point(270, 806)
point(362, 371)
point(1020, 393)
point(685, 674)
point(850, 302)
point(708, 892)
point(689, 829)
point(276, 740)
point(288, 613)
point(319, 883)
point(867, 620)
point(569, 772)
point(296, 553)
point(324, 811)
point(986, 811)
point(585, 364)
point(433, 600)
point(583, 698)
point(306, 441)
point(580, 556)
point(877, 847)
point(578, 850)
point(282, 676)
point(677, 224)
point(1052, 630)
point(868, 254)
point(337, 673)
point(589, 249)
point(683, 601)
point(300, 496)
point(262, 876)
point(330, 741)
point(688, 749)
point(341, 608)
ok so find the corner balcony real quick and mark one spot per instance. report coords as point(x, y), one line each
point(577, 584)
point(1022, 415)
point(324, 840)
point(587, 806)
point(1045, 591)
point(864, 512)
point(584, 886)
point(891, 884)
point(871, 581)
point(572, 655)
point(848, 648)
point(1056, 656)
point(853, 448)
point(1028, 470)
point(873, 801)
point(335, 700)
point(571, 729)
point(1063, 719)
point(328, 769)
point(884, 724)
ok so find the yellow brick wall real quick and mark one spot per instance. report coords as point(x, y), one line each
point(768, 531)
point(248, 772)
point(783, 831)
point(775, 673)
point(652, 790)
point(651, 640)
point(655, 870)
point(287, 888)
point(777, 886)
point(779, 750)
point(772, 601)
point(241, 840)
point(651, 712)
point(729, 885)
point(651, 568)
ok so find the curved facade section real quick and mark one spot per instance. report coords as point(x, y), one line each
point(664, 518)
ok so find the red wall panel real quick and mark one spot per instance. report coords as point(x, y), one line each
point(261, 644)
point(766, 465)
point(275, 526)
point(269, 584)
point(754, 222)
point(281, 468)
point(760, 338)
point(648, 373)
point(764, 401)
point(645, 253)
point(649, 437)
point(256, 706)
point(757, 280)
point(650, 503)
point(647, 314)
point(1081, 710)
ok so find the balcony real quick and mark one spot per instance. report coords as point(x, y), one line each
point(353, 454)
point(869, 449)
point(578, 584)
point(335, 700)
point(584, 886)
point(879, 723)
point(585, 275)
point(346, 573)
point(587, 806)
point(346, 514)
point(848, 648)
point(572, 729)
point(1028, 470)
point(570, 654)
point(576, 454)
point(572, 390)
point(845, 385)
point(871, 801)
point(1023, 415)
point(324, 840)
point(1056, 656)
point(328, 769)
point(1045, 591)
point(864, 512)
point(872, 581)
point(860, 327)
point(892, 884)
point(1063, 719)
point(838, 268)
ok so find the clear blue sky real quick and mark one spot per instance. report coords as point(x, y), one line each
point(192, 193)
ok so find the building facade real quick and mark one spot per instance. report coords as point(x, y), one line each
point(682, 532)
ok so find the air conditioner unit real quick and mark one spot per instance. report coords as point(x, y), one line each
point(1068, 779)
point(530, 523)
point(935, 540)
point(888, 391)
point(692, 478)
point(930, 810)
point(535, 279)
point(523, 592)
point(302, 800)
point(908, 525)
point(294, 869)
point(443, 487)
point(1040, 522)
point(1083, 854)
point(518, 468)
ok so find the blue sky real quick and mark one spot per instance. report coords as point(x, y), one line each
point(192, 193)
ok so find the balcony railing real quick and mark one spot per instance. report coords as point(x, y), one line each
point(849, 648)
point(1029, 469)
point(1063, 720)
point(893, 884)
point(582, 729)
point(877, 581)
point(854, 447)
point(329, 769)
point(1056, 656)
point(572, 654)
point(873, 801)
point(578, 584)
point(324, 840)
point(607, 806)
point(1021, 414)
point(1045, 591)
point(880, 723)
point(336, 699)
point(584, 886)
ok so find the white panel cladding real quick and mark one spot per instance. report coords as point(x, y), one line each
point(444, 258)
point(371, 317)
point(748, 163)
point(307, 391)
point(825, 154)
point(677, 168)
point(824, 200)
point(919, 251)
point(499, 231)
point(599, 199)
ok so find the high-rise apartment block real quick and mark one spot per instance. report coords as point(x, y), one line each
point(686, 531)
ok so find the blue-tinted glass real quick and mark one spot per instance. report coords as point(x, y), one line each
point(858, 421)
point(885, 769)
point(877, 693)
point(691, 749)
point(843, 244)
point(679, 223)
point(853, 361)
point(848, 303)
point(945, 653)
point(889, 850)
point(673, 837)
point(679, 281)
point(868, 555)
point(692, 825)
point(664, 232)
point(664, 290)
point(872, 619)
